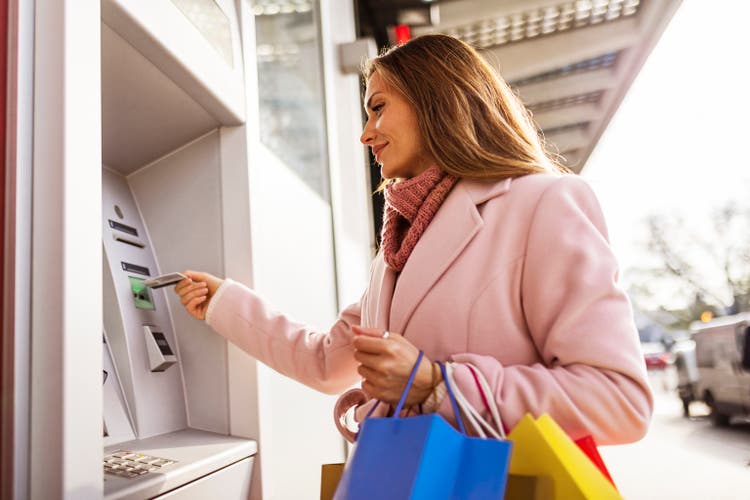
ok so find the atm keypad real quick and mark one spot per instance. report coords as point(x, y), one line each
point(129, 464)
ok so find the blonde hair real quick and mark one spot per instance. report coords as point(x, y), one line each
point(469, 119)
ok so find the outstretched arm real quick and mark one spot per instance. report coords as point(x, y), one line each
point(322, 360)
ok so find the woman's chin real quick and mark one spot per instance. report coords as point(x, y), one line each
point(391, 173)
point(386, 173)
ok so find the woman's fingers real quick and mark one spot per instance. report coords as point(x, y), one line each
point(378, 362)
point(182, 285)
point(196, 291)
point(191, 285)
point(193, 304)
point(372, 340)
point(387, 362)
point(373, 345)
point(192, 278)
point(195, 275)
point(211, 281)
point(196, 307)
point(188, 285)
point(369, 332)
point(371, 390)
point(367, 358)
point(199, 291)
point(374, 376)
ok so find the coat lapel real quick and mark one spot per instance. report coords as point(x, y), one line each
point(379, 306)
point(453, 227)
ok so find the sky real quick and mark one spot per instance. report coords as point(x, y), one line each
point(678, 142)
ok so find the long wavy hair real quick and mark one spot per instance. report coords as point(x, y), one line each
point(469, 118)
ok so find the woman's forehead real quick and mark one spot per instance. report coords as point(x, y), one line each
point(375, 84)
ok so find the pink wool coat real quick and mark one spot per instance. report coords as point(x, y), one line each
point(515, 277)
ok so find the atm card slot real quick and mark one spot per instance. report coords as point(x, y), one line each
point(128, 240)
point(126, 266)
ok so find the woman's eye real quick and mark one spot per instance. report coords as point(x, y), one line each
point(377, 108)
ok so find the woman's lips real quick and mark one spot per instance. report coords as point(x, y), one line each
point(377, 149)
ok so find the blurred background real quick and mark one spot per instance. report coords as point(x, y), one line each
point(673, 179)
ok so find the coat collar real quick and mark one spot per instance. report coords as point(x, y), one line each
point(452, 228)
point(480, 191)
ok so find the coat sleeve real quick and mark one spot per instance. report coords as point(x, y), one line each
point(592, 378)
point(322, 360)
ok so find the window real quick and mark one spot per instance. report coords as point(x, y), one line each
point(292, 111)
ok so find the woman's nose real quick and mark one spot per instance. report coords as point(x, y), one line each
point(367, 134)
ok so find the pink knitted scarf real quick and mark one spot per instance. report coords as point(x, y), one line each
point(410, 205)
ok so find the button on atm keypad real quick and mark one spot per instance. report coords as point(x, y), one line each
point(129, 464)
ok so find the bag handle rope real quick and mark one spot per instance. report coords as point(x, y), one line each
point(409, 383)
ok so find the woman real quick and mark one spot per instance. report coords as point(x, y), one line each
point(490, 255)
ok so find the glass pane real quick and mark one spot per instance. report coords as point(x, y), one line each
point(292, 113)
point(213, 24)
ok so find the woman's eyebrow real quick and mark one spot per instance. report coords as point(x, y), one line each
point(369, 100)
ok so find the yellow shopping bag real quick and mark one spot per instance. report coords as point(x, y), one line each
point(542, 450)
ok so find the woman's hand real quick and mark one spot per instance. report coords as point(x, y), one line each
point(196, 292)
point(386, 363)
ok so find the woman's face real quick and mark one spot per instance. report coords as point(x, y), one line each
point(392, 132)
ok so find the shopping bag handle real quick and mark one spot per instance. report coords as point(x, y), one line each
point(409, 383)
point(456, 412)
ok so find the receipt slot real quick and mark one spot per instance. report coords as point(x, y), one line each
point(160, 354)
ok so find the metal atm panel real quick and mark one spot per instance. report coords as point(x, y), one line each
point(149, 448)
point(156, 398)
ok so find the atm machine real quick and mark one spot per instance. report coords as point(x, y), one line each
point(137, 148)
point(165, 414)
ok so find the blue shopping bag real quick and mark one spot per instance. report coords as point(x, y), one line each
point(423, 457)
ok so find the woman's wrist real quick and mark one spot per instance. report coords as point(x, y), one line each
point(214, 298)
point(437, 374)
point(437, 389)
point(433, 401)
point(427, 378)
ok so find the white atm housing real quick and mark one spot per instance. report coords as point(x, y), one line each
point(141, 131)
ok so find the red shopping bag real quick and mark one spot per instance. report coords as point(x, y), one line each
point(588, 446)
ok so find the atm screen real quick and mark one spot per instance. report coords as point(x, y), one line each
point(141, 294)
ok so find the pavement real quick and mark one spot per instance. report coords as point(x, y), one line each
point(682, 458)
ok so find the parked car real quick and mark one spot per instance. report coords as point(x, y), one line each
point(722, 352)
point(655, 349)
point(657, 360)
